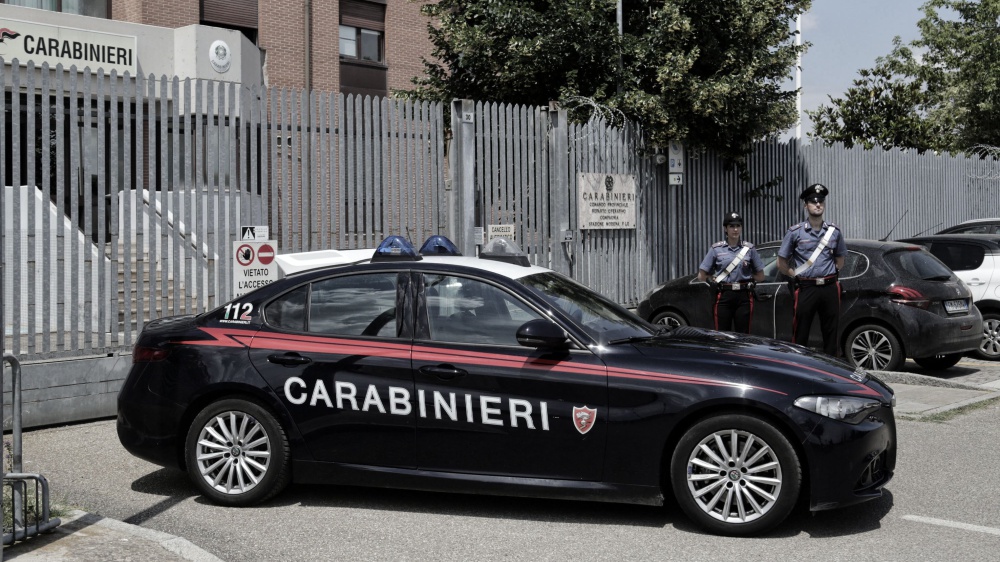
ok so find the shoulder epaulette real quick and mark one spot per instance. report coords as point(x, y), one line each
point(748, 244)
point(795, 226)
point(719, 244)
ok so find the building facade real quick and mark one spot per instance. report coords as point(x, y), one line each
point(366, 47)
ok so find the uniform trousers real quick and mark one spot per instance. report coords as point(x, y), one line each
point(733, 310)
point(812, 301)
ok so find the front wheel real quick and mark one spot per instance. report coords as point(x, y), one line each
point(237, 453)
point(735, 475)
point(939, 362)
point(670, 319)
point(989, 347)
point(874, 348)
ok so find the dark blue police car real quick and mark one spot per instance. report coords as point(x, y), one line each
point(489, 375)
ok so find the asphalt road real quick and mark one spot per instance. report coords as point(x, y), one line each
point(944, 504)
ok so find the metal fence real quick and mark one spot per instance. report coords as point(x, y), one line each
point(122, 195)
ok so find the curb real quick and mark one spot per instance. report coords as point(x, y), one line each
point(183, 548)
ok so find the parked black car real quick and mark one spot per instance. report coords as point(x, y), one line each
point(975, 259)
point(975, 226)
point(898, 301)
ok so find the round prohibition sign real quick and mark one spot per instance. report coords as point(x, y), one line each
point(244, 255)
point(265, 254)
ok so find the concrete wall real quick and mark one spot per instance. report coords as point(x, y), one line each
point(70, 391)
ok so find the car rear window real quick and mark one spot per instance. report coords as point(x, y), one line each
point(918, 263)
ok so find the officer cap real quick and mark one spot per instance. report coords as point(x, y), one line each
point(815, 190)
point(732, 217)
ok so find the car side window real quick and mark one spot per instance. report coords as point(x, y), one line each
point(464, 310)
point(855, 264)
point(958, 256)
point(770, 258)
point(349, 305)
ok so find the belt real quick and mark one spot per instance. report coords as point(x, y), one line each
point(816, 281)
point(734, 286)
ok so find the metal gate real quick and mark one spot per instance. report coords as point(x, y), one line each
point(521, 166)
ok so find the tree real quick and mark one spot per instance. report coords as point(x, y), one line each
point(940, 92)
point(709, 73)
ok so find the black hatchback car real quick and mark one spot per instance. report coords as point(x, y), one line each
point(897, 301)
point(465, 374)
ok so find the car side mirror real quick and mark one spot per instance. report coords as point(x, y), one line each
point(541, 333)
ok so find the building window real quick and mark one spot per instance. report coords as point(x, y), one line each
point(363, 68)
point(92, 8)
point(363, 44)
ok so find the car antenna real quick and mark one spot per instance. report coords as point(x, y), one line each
point(926, 229)
point(894, 226)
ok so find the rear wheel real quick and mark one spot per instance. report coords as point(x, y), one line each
point(237, 453)
point(874, 348)
point(735, 475)
point(670, 318)
point(989, 348)
point(942, 361)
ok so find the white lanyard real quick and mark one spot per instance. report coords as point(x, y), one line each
point(732, 265)
point(822, 245)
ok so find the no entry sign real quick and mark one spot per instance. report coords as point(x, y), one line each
point(253, 265)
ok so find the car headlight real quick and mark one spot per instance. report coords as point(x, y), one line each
point(843, 408)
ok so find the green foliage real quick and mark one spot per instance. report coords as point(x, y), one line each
point(940, 92)
point(708, 73)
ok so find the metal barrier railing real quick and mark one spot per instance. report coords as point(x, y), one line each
point(22, 526)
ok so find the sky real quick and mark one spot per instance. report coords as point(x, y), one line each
point(846, 36)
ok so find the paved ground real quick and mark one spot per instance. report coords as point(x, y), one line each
point(88, 537)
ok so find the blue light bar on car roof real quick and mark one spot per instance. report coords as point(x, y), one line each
point(505, 250)
point(395, 248)
point(438, 245)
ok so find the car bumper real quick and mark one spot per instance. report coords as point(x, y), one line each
point(148, 424)
point(849, 464)
point(926, 334)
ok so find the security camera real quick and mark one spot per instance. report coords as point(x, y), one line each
point(661, 159)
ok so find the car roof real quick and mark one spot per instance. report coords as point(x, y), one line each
point(333, 260)
point(985, 239)
point(976, 221)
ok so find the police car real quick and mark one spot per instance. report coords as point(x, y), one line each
point(429, 370)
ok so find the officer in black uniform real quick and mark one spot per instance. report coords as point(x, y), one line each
point(812, 253)
point(732, 267)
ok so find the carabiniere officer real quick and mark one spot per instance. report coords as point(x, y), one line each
point(732, 267)
point(812, 253)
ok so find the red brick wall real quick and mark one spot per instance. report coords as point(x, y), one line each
point(406, 42)
point(172, 13)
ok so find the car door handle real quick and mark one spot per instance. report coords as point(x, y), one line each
point(289, 359)
point(763, 296)
point(975, 282)
point(443, 371)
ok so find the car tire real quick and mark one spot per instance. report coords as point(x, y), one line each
point(237, 453)
point(669, 318)
point(753, 491)
point(874, 348)
point(989, 348)
point(939, 362)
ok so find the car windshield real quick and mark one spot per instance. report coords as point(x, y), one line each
point(604, 320)
point(919, 263)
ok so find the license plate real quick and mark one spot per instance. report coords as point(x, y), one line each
point(961, 305)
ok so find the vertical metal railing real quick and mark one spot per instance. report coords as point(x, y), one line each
point(17, 480)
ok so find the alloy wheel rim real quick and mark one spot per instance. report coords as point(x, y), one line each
point(233, 452)
point(669, 321)
point(990, 345)
point(871, 350)
point(734, 476)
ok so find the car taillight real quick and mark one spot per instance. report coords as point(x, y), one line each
point(909, 297)
point(146, 354)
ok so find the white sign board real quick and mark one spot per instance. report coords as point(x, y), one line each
point(606, 201)
point(38, 42)
point(500, 231)
point(253, 265)
point(254, 233)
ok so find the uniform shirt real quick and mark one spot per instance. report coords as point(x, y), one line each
point(800, 242)
point(721, 254)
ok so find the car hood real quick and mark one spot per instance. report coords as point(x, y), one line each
point(759, 362)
